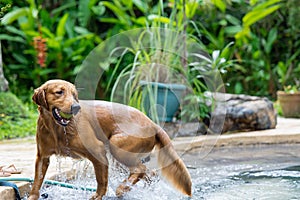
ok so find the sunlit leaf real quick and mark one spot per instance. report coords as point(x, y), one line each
point(122, 16)
point(47, 32)
point(220, 4)
point(256, 15)
point(260, 11)
point(14, 15)
point(60, 30)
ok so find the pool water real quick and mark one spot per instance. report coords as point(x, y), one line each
point(227, 173)
point(253, 172)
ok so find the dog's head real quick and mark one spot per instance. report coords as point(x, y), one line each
point(58, 97)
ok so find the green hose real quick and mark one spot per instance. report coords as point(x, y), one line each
point(50, 182)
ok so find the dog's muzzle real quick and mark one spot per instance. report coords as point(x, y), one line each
point(75, 108)
point(63, 118)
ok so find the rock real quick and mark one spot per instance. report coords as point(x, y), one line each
point(233, 113)
point(179, 129)
point(242, 113)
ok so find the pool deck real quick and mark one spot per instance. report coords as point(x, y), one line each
point(21, 152)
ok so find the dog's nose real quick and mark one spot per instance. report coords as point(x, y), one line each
point(75, 108)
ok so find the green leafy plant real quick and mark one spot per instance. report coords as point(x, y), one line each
point(22, 127)
point(66, 43)
point(118, 16)
point(287, 73)
point(156, 58)
point(166, 61)
point(158, 62)
point(258, 12)
point(292, 88)
point(288, 66)
point(10, 105)
point(16, 120)
point(265, 35)
point(255, 29)
point(205, 77)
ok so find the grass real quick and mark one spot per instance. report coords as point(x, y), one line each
point(17, 120)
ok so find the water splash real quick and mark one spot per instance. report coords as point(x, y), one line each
point(227, 174)
point(66, 137)
point(58, 164)
point(67, 142)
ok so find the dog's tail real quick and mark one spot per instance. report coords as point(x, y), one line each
point(172, 167)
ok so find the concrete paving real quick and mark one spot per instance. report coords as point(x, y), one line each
point(21, 152)
point(287, 131)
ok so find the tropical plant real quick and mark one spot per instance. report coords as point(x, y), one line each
point(256, 27)
point(288, 73)
point(288, 64)
point(170, 56)
point(156, 58)
point(257, 38)
point(46, 44)
point(248, 24)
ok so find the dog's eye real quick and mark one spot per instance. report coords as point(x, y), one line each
point(60, 92)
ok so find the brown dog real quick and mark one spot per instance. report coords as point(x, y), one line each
point(69, 127)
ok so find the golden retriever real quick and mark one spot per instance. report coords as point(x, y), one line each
point(69, 127)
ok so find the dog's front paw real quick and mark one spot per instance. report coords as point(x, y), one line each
point(96, 196)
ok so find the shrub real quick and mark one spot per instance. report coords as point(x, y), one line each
point(16, 120)
point(11, 106)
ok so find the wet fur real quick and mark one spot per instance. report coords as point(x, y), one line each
point(129, 134)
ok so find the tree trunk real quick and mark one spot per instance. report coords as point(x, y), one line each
point(3, 81)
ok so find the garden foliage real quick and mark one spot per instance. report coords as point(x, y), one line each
point(258, 38)
point(15, 118)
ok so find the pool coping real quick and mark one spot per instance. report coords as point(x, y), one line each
point(287, 131)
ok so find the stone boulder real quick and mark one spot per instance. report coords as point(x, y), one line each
point(232, 113)
point(242, 113)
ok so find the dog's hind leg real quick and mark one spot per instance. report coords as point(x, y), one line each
point(129, 150)
point(136, 173)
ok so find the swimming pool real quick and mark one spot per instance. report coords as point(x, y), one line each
point(227, 173)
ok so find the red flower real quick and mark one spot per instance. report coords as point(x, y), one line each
point(40, 46)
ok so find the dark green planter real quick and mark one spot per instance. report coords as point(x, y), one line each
point(167, 101)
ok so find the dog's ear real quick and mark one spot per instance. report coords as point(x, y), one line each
point(39, 97)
